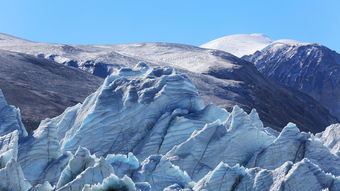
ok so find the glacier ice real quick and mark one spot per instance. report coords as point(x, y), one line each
point(125, 102)
point(222, 177)
point(147, 129)
point(8, 147)
point(331, 138)
point(80, 161)
point(288, 146)
point(46, 186)
point(112, 182)
point(10, 118)
point(240, 139)
point(123, 164)
point(11, 174)
point(39, 152)
point(12, 177)
point(303, 175)
point(159, 172)
point(91, 175)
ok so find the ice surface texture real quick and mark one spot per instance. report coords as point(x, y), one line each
point(147, 129)
point(10, 118)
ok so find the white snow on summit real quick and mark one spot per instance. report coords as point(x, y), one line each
point(239, 44)
point(246, 44)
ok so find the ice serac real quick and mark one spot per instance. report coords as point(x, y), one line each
point(303, 175)
point(127, 100)
point(92, 175)
point(288, 146)
point(331, 138)
point(306, 170)
point(176, 127)
point(81, 160)
point(46, 186)
point(112, 183)
point(160, 173)
point(87, 172)
point(11, 175)
point(293, 145)
point(239, 135)
point(10, 118)
point(123, 164)
point(223, 177)
point(8, 147)
point(39, 154)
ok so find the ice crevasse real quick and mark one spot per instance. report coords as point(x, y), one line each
point(148, 129)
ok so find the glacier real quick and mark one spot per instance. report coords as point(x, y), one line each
point(10, 118)
point(147, 129)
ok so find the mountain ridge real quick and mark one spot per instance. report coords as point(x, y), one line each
point(246, 44)
point(221, 77)
point(311, 68)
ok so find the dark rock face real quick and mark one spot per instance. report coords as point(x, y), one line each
point(312, 69)
point(42, 88)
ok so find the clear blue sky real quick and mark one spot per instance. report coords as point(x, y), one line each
point(181, 21)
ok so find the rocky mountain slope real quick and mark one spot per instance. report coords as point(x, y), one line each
point(147, 129)
point(221, 78)
point(310, 68)
point(40, 87)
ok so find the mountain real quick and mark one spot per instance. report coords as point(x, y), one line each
point(40, 87)
point(311, 68)
point(246, 44)
point(239, 44)
point(221, 78)
point(147, 129)
point(308, 67)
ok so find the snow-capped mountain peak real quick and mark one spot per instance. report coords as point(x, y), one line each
point(240, 44)
point(246, 44)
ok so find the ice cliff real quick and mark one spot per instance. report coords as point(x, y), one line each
point(148, 129)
